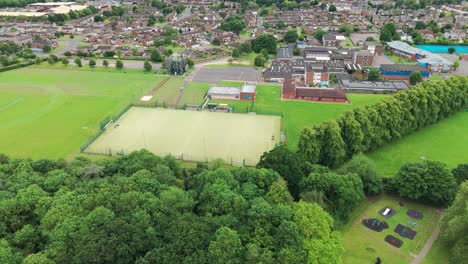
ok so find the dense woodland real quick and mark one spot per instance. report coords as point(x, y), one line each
point(146, 209)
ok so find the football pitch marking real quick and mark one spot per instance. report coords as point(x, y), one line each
point(11, 104)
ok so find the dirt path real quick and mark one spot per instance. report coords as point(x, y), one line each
point(428, 245)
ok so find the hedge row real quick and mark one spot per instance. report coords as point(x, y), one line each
point(16, 66)
point(365, 128)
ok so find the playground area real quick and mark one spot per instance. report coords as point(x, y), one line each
point(392, 229)
point(238, 139)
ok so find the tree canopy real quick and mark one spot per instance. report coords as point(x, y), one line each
point(428, 181)
point(455, 226)
point(141, 208)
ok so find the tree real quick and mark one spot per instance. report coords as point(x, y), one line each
point(190, 63)
point(156, 56)
point(265, 53)
point(455, 228)
point(92, 63)
point(332, 8)
point(105, 63)
point(226, 247)
point(38, 60)
point(65, 61)
point(321, 242)
point(291, 36)
point(46, 49)
point(265, 41)
point(51, 60)
point(148, 67)
point(332, 146)
point(67, 53)
point(260, 61)
point(216, 41)
point(337, 194)
point(451, 50)
point(235, 53)
point(461, 173)
point(367, 171)
point(280, 24)
point(234, 24)
point(245, 47)
point(456, 64)
point(428, 181)
point(287, 163)
point(78, 62)
point(119, 65)
point(373, 75)
point(415, 78)
point(318, 33)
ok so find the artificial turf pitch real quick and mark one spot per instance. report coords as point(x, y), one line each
point(191, 135)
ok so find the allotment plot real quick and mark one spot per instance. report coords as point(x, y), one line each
point(238, 139)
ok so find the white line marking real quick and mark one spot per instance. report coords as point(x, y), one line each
point(11, 104)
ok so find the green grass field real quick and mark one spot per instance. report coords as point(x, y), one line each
point(445, 141)
point(49, 113)
point(438, 254)
point(169, 92)
point(194, 93)
point(363, 245)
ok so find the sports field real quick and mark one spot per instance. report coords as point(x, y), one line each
point(50, 113)
point(191, 135)
point(446, 141)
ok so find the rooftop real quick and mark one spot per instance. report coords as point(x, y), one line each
point(402, 68)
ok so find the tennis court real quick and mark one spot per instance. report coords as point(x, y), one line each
point(239, 139)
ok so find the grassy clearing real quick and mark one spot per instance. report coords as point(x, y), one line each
point(445, 141)
point(194, 93)
point(363, 245)
point(60, 109)
point(436, 77)
point(169, 92)
point(438, 254)
point(230, 83)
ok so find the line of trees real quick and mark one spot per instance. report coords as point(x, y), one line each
point(365, 128)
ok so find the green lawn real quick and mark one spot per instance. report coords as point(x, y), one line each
point(445, 141)
point(194, 93)
point(363, 245)
point(297, 114)
point(60, 66)
point(435, 77)
point(169, 92)
point(438, 254)
point(50, 113)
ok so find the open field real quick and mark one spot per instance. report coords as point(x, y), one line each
point(191, 135)
point(363, 245)
point(48, 113)
point(169, 92)
point(297, 114)
point(194, 93)
point(445, 141)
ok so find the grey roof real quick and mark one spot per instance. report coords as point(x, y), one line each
point(402, 68)
point(283, 53)
point(435, 59)
point(374, 86)
point(224, 90)
point(249, 88)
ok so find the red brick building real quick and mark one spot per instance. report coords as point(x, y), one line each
point(293, 89)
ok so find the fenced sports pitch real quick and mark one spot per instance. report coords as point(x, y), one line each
point(238, 139)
